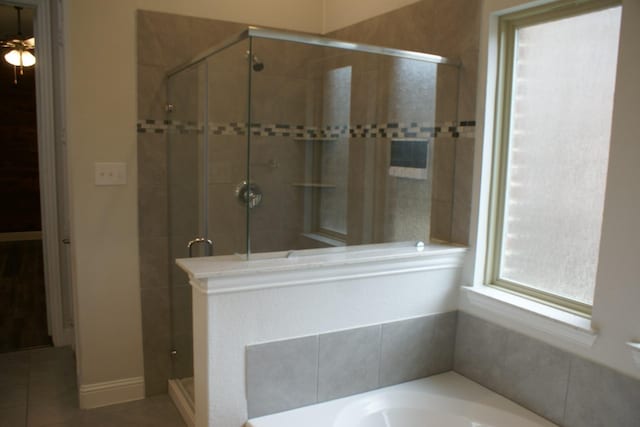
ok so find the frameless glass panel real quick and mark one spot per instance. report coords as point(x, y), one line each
point(207, 155)
point(342, 145)
point(563, 85)
point(227, 98)
point(284, 106)
point(185, 172)
point(411, 116)
point(334, 154)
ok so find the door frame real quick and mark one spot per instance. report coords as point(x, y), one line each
point(47, 165)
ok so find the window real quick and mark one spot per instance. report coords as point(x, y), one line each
point(555, 99)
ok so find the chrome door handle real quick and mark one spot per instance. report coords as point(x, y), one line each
point(209, 243)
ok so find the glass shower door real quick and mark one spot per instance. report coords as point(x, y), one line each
point(186, 150)
point(227, 148)
point(207, 162)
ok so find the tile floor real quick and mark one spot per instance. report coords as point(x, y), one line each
point(38, 389)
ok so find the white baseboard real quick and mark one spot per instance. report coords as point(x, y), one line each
point(20, 235)
point(179, 397)
point(111, 392)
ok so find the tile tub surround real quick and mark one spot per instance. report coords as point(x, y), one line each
point(288, 374)
point(562, 387)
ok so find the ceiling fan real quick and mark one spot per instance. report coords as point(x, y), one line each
point(20, 48)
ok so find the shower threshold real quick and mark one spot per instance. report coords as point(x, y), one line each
point(181, 391)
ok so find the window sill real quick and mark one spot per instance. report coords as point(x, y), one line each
point(541, 317)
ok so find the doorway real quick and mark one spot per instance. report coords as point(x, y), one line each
point(36, 231)
point(23, 310)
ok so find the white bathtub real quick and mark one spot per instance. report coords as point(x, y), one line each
point(446, 400)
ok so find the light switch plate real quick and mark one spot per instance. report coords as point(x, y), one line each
point(114, 173)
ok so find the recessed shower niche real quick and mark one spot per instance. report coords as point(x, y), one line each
point(279, 142)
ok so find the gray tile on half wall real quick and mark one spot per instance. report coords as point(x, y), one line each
point(348, 362)
point(281, 375)
point(417, 348)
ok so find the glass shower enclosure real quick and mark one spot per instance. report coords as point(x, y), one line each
point(281, 142)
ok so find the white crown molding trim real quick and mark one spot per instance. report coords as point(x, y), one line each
point(493, 304)
point(111, 392)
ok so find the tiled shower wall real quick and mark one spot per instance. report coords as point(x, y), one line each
point(448, 28)
point(164, 41)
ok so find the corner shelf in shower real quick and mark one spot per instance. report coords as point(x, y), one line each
point(315, 139)
point(313, 185)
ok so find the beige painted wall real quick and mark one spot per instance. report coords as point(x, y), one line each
point(101, 108)
point(340, 13)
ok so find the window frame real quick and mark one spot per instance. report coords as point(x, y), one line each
point(508, 26)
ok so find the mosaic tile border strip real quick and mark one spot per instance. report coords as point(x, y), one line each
point(416, 130)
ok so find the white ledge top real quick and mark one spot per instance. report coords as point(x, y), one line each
point(348, 261)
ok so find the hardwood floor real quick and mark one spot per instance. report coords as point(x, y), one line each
point(23, 312)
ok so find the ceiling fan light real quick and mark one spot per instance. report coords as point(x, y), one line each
point(13, 58)
point(28, 60)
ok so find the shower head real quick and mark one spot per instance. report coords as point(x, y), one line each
point(256, 64)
